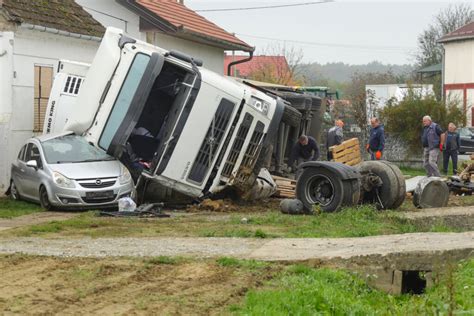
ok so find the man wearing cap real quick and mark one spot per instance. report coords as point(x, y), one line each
point(334, 137)
point(377, 139)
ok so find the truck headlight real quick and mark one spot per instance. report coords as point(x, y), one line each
point(62, 181)
point(125, 176)
point(259, 105)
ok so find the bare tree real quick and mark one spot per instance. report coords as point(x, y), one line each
point(275, 70)
point(430, 52)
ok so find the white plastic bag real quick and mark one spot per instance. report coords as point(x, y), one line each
point(126, 204)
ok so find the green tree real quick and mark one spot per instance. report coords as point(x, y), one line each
point(405, 118)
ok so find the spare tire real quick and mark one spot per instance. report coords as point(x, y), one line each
point(291, 116)
point(389, 194)
point(401, 184)
point(431, 192)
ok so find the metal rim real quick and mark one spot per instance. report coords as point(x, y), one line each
point(320, 190)
point(14, 191)
point(44, 199)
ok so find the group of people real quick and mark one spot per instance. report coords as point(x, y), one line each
point(434, 142)
point(307, 149)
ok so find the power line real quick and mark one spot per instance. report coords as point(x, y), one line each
point(266, 7)
point(366, 47)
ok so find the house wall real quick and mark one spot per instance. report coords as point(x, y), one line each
point(459, 75)
point(212, 57)
point(25, 49)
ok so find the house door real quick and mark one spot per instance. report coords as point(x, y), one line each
point(43, 83)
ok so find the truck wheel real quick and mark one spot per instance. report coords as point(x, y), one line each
point(291, 116)
point(390, 190)
point(318, 186)
point(401, 184)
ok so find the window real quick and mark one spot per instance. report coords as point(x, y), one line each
point(72, 148)
point(32, 153)
point(42, 89)
point(124, 99)
point(21, 155)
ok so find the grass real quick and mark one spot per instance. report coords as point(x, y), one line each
point(11, 209)
point(413, 172)
point(305, 291)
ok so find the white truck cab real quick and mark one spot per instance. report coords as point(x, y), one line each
point(169, 120)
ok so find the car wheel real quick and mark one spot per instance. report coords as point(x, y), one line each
point(14, 194)
point(44, 199)
point(318, 186)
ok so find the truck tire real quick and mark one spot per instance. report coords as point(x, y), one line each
point(401, 184)
point(291, 116)
point(390, 190)
point(319, 186)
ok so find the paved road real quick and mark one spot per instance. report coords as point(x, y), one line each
point(286, 249)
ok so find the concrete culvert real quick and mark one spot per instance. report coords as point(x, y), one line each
point(431, 192)
point(382, 184)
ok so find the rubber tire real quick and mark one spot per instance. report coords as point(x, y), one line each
point(13, 188)
point(306, 178)
point(401, 184)
point(291, 116)
point(44, 199)
point(390, 190)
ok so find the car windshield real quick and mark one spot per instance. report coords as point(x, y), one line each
point(70, 149)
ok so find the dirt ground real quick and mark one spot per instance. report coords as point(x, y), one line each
point(34, 219)
point(46, 285)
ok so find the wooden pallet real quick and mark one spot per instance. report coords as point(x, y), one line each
point(286, 188)
point(347, 153)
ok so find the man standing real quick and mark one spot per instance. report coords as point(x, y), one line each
point(431, 140)
point(377, 139)
point(451, 147)
point(334, 137)
point(305, 149)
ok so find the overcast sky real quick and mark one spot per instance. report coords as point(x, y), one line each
point(351, 31)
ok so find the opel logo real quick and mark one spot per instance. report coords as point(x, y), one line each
point(98, 182)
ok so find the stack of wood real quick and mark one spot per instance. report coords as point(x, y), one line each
point(286, 188)
point(347, 153)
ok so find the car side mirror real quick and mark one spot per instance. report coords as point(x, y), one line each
point(32, 164)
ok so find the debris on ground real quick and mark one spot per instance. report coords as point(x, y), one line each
point(144, 210)
point(431, 192)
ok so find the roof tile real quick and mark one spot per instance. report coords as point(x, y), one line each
point(65, 15)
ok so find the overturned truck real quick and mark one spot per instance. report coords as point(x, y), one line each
point(184, 132)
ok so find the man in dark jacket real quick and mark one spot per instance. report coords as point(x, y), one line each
point(306, 149)
point(432, 146)
point(377, 139)
point(334, 137)
point(451, 148)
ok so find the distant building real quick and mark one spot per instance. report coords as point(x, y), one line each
point(379, 95)
point(458, 68)
point(262, 68)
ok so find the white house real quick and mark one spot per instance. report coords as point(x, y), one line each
point(36, 34)
point(458, 68)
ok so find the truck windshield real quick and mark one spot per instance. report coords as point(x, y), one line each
point(72, 148)
point(124, 99)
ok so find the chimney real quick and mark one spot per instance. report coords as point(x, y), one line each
point(179, 1)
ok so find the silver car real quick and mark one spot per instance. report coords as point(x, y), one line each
point(65, 171)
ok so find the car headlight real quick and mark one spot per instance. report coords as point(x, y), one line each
point(125, 176)
point(260, 105)
point(62, 181)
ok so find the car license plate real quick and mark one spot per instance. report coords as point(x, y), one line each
point(100, 194)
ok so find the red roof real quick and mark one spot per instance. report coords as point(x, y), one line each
point(462, 33)
point(185, 21)
point(244, 70)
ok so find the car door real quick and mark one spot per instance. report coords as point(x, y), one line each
point(31, 181)
point(18, 169)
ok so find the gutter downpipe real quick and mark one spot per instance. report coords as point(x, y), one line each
point(229, 67)
point(59, 32)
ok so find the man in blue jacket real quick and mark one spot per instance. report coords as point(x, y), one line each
point(451, 148)
point(377, 139)
point(432, 146)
